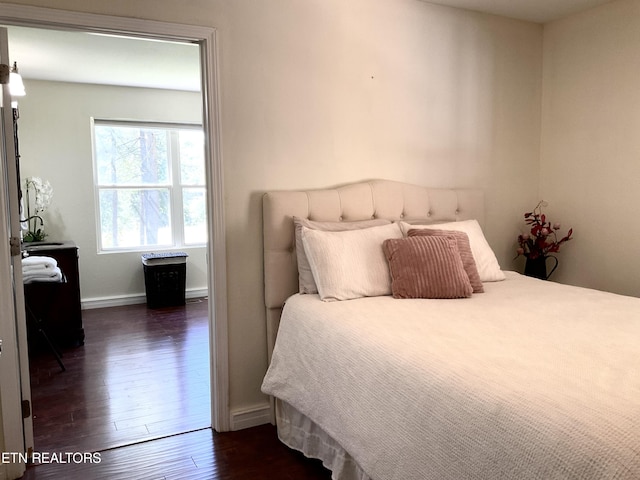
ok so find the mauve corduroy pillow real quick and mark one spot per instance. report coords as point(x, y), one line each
point(485, 258)
point(426, 267)
point(464, 248)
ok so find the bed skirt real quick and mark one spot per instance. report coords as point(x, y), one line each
point(300, 433)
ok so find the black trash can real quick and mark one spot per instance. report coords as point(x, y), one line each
point(165, 277)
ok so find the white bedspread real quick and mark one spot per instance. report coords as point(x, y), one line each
point(529, 380)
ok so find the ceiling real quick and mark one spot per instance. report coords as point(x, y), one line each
point(539, 11)
point(66, 56)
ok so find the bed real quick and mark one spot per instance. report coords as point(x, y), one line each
point(526, 379)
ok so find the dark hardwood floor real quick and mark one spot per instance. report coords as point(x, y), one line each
point(142, 374)
point(251, 454)
point(141, 379)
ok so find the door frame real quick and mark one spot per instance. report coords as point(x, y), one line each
point(12, 428)
point(205, 37)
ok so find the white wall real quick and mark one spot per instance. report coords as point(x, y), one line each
point(316, 93)
point(322, 93)
point(590, 164)
point(55, 144)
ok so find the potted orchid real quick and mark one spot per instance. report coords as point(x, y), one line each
point(37, 196)
point(540, 243)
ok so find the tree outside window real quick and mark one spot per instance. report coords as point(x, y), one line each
point(150, 185)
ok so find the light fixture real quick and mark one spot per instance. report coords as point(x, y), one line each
point(16, 86)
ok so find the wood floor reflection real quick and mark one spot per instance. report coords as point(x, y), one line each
point(142, 374)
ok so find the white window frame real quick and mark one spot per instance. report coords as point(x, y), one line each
point(174, 185)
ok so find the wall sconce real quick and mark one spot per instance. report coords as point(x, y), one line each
point(16, 86)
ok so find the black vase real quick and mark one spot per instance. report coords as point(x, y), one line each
point(537, 267)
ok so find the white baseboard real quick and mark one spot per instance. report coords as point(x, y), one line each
point(104, 302)
point(251, 417)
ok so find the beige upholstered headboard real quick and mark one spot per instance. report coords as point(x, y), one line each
point(359, 201)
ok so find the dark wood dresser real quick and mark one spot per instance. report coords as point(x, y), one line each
point(57, 305)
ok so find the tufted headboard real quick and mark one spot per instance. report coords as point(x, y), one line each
point(358, 201)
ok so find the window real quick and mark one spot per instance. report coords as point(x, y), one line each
point(150, 185)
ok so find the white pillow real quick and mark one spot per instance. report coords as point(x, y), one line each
point(306, 284)
point(350, 264)
point(486, 260)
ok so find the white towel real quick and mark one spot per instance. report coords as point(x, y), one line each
point(38, 268)
point(38, 261)
point(44, 275)
point(38, 271)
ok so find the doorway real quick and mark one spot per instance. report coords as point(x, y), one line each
point(215, 251)
point(109, 408)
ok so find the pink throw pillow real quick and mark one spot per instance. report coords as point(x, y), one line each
point(426, 267)
point(464, 247)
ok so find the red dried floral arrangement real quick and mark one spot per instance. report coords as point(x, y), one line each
point(543, 239)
